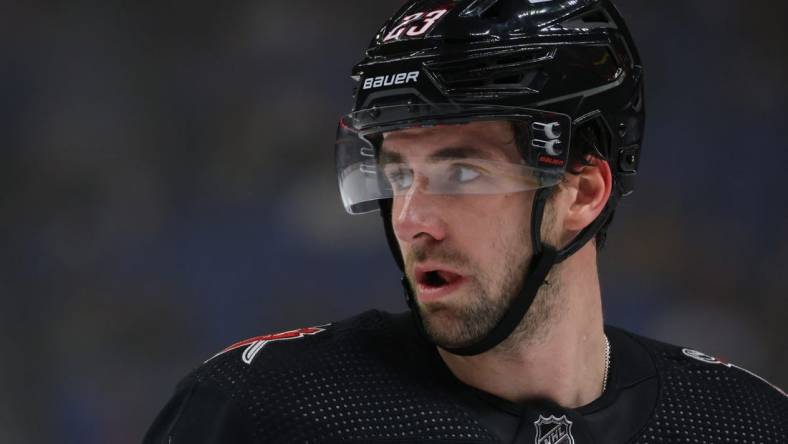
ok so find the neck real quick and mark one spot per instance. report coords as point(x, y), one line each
point(563, 358)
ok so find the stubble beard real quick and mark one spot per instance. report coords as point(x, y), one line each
point(460, 324)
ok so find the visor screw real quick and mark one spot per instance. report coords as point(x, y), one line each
point(622, 129)
point(631, 159)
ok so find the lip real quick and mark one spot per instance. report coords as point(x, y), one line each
point(426, 293)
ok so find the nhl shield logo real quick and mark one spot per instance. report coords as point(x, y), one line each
point(553, 430)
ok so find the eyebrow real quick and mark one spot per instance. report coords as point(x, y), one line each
point(459, 152)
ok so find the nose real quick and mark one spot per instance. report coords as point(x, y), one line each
point(417, 215)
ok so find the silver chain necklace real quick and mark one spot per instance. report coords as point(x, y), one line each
point(607, 364)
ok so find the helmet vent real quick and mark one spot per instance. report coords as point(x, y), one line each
point(595, 18)
point(511, 72)
point(481, 9)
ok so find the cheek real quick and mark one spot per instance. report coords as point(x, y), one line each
point(492, 225)
point(514, 211)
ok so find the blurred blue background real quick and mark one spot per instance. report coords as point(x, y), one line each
point(168, 188)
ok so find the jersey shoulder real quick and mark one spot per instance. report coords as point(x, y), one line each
point(370, 379)
point(708, 399)
point(273, 359)
point(221, 399)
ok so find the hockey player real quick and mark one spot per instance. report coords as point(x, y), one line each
point(496, 138)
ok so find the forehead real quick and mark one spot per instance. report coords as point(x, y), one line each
point(492, 139)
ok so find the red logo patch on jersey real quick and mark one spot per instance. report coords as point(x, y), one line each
point(255, 344)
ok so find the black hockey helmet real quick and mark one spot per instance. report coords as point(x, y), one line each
point(554, 65)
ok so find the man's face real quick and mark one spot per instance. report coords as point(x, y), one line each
point(465, 255)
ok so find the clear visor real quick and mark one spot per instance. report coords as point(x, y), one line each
point(382, 153)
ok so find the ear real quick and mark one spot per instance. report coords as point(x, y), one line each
point(591, 189)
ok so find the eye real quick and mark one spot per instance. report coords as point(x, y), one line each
point(464, 173)
point(400, 178)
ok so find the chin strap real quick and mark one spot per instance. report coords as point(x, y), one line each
point(544, 258)
point(538, 270)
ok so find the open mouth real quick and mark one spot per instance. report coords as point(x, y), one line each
point(437, 278)
point(434, 284)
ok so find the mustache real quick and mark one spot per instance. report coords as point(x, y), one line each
point(443, 254)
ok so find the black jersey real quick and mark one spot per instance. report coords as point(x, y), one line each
point(374, 379)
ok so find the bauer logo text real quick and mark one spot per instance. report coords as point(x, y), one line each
point(390, 80)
